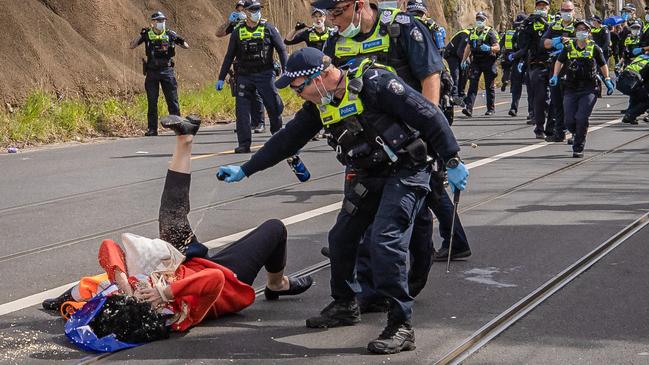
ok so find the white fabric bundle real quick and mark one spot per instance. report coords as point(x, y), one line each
point(147, 256)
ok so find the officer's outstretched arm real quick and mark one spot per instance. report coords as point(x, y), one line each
point(136, 41)
point(229, 57)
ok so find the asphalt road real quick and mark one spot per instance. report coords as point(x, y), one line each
point(530, 211)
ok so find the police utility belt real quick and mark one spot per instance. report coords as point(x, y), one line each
point(371, 146)
point(254, 52)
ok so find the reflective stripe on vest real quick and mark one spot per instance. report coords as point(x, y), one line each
point(586, 53)
point(631, 41)
point(509, 39)
point(258, 33)
point(466, 31)
point(475, 37)
point(158, 37)
point(638, 64)
point(560, 27)
point(347, 47)
point(596, 30)
point(538, 26)
point(315, 37)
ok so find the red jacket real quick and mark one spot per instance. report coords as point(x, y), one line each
point(204, 287)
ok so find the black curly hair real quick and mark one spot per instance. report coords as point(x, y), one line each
point(131, 321)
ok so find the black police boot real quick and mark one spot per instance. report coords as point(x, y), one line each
point(539, 135)
point(503, 87)
point(396, 337)
point(629, 120)
point(296, 286)
point(151, 133)
point(261, 128)
point(467, 112)
point(379, 305)
point(578, 154)
point(490, 112)
point(55, 304)
point(512, 112)
point(442, 254)
point(555, 138)
point(570, 141)
point(529, 120)
point(181, 126)
point(242, 149)
point(338, 313)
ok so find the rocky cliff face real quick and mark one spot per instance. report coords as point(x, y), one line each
point(80, 47)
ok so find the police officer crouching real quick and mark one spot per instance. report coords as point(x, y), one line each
point(382, 131)
point(160, 47)
point(252, 43)
point(576, 67)
point(483, 47)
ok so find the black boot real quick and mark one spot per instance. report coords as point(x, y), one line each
point(338, 313)
point(296, 286)
point(181, 126)
point(55, 304)
point(396, 337)
point(376, 305)
point(442, 254)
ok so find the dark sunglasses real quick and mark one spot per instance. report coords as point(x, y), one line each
point(300, 88)
point(254, 9)
point(337, 11)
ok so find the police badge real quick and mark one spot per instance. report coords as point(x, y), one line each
point(396, 87)
point(416, 35)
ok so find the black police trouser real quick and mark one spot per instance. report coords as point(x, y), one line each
point(517, 78)
point(154, 80)
point(390, 207)
point(638, 103)
point(530, 94)
point(458, 75)
point(507, 71)
point(539, 85)
point(490, 72)
point(555, 125)
point(248, 86)
point(577, 107)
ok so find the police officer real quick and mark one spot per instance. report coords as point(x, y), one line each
point(601, 35)
point(482, 48)
point(238, 17)
point(253, 44)
point(382, 130)
point(160, 44)
point(453, 54)
point(510, 64)
point(554, 39)
point(575, 68)
point(314, 36)
point(628, 14)
point(631, 46)
point(634, 81)
point(507, 42)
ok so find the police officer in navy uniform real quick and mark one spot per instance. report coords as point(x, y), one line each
point(160, 44)
point(382, 131)
point(634, 81)
point(631, 45)
point(237, 17)
point(576, 68)
point(253, 44)
point(483, 48)
point(453, 54)
point(517, 66)
point(601, 35)
point(314, 36)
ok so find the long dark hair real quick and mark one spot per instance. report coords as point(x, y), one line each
point(131, 321)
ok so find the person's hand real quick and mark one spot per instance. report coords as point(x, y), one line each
point(151, 295)
point(299, 25)
point(557, 43)
point(510, 57)
point(219, 85)
point(464, 65)
point(637, 51)
point(485, 48)
point(144, 31)
point(609, 86)
point(554, 80)
point(458, 177)
point(520, 67)
point(230, 173)
point(234, 17)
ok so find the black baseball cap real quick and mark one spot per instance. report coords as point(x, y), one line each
point(303, 62)
point(417, 5)
point(546, 2)
point(247, 4)
point(326, 4)
point(582, 22)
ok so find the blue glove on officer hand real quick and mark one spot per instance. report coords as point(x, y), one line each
point(637, 51)
point(219, 85)
point(609, 87)
point(464, 65)
point(230, 173)
point(520, 67)
point(556, 43)
point(457, 177)
point(485, 48)
point(234, 17)
point(554, 80)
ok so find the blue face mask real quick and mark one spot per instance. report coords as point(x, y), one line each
point(582, 36)
point(256, 16)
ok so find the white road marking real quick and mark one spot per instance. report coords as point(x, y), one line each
point(36, 299)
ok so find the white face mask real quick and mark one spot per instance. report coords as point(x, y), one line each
point(566, 16)
point(479, 24)
point(256, 16)
point(352, 30)
point(646, 17)
point(541, 12)
point(160, 26)
point(582, 36)
point(635, 32)
point(319, 24)
point(325, 98)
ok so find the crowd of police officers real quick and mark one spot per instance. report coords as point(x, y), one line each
point(375, 79)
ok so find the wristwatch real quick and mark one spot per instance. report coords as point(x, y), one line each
point(453, 162)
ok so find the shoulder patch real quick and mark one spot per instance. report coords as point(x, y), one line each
point(415, 33)
point(396, 87)
point(386, 17)
point(402, 19)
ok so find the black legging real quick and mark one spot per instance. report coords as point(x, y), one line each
point(265, 246)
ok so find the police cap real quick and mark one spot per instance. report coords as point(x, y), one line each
point(635, 24)
point(481, 15)
point(326, 4)
point(158, 15)
point(417, 5)
point(546, 2)
point(629, 7)
point(247, 4)
point(303, 62)
point(582, 22)
point(317, 10)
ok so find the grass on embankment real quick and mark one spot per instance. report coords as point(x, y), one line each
point(45, 119)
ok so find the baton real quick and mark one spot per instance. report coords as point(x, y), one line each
point(456, 201)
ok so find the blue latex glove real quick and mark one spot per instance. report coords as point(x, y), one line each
point(485, 48)
point(609, 87)
point(464, 65)
point(230, 173)
point(219, 85)
point(520, 67)
point(510, 57)
point(636, 51)
point(457, 177)
point(556, 43)
point(554, 80)
point(234, 17)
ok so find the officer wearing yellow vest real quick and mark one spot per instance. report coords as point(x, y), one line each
point(453, 54)
point(634, 81)
point(601, 35)
point(483, 46)
point(253, 44)
point(558, 34)
point(511, 59)
point(382, 131)
point(575, 69)
point(631, 45)
point(507, 43)
point(628, 14)
point(160, 44)
point(314, 36)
